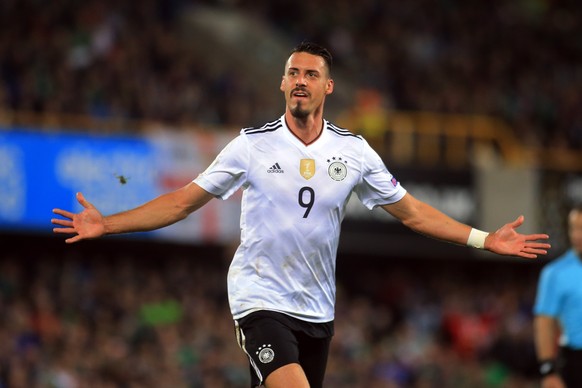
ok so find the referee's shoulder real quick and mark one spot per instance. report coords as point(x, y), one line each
point(563, 261)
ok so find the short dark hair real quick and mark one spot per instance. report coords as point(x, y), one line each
point(314, 49)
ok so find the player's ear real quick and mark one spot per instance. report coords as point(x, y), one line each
point(329, 86)
point(282, 87)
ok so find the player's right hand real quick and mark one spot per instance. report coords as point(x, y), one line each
point(87, 224)
point(552, 381)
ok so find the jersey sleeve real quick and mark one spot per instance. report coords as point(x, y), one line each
point(547, 297)
point(228, 172)
point(377, 185)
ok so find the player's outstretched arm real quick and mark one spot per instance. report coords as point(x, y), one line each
point(425, 219)
point(160, 212)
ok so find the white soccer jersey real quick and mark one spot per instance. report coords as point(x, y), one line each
point(293, 202)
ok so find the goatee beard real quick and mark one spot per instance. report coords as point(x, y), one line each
point(299, 113)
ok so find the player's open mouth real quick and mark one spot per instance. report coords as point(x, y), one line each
point(300, 94)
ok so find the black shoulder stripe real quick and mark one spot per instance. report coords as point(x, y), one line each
point(268, 127)
point(341, 131)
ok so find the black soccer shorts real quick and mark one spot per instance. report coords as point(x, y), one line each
point(571, 360)
point(272, 340)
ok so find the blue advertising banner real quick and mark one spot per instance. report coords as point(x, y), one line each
point(41, 170)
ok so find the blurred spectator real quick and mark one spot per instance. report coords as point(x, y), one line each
point(110, 59)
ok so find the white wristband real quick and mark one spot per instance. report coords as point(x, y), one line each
point(477, 238)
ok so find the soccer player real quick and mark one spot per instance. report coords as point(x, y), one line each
point(558, 313)
point(297, 174)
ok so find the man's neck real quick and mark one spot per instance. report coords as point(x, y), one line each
point(305, 129)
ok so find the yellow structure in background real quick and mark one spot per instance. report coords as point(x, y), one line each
point(454, 140)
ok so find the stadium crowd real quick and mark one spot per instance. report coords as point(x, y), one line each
point(518, 60)
point(134, 318)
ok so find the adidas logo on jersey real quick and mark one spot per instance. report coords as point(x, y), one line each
point(275, 169)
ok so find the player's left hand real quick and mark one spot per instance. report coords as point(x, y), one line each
point(507, 241)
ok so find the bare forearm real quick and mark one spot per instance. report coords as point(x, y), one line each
point(429, 221)
point(155, 214)
point(426, 220)
point(545, 332)
point(433, 223)
point(162, 211)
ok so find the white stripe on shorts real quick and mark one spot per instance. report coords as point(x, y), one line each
point(240, 338)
